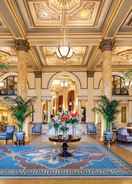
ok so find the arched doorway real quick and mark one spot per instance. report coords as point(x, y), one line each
point(64, 92)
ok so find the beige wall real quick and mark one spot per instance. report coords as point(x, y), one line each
point(88, 90)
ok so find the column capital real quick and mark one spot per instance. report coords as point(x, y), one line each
point(90, 74)
point(107, 44)
point(38, 74)
point(21, 44)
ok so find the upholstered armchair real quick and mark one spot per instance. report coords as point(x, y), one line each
point(8, 134)
point(123, 135)
point(91, 128)
point(37, 128)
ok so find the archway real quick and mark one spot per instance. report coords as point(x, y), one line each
point(64, 87)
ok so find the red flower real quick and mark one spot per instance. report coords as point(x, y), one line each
point(74, 114)
point(65, 118)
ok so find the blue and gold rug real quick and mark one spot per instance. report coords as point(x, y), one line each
point(43, 161)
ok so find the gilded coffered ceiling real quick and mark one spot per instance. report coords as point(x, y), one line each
point(51, 59)
point(86, 23)
point(127, 24)
point(47, 13)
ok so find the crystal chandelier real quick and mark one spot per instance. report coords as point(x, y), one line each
point(65, 4)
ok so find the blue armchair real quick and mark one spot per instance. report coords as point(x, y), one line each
point(123, 135)
point(37, 128)
point(8, 134)
point(91, 128)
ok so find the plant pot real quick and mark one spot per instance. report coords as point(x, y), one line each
point(108, 135)
point(20, 138)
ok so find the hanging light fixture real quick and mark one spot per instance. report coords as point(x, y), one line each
point(64, 51)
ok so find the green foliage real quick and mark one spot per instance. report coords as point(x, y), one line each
point(56, 126)
point(3, 66)
point(128, 75)
point(108, 109)
point(64, 129)
point(72, 121)
point(20, 109)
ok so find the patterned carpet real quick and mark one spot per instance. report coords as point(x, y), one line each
point(43, 161)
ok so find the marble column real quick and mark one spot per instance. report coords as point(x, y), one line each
point(22, 48)
point(38, 114)
point(49, 110)
point(130, 111)
point(106, 47)
point(65, 94)
point(90, 104)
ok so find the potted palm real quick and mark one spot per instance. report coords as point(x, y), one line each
point(108, 109)
point(21, 109)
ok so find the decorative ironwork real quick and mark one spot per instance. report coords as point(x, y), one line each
point(119, 87)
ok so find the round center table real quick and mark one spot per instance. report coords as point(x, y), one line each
point(64, 142)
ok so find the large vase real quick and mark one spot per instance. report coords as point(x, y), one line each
point(20, 138)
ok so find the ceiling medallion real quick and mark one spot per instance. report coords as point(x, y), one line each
point(64, 4)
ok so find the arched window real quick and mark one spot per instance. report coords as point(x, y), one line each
point(118, 86)
point(8, 86)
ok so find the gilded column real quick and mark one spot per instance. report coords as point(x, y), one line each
point(38, 114)
point(90, 104)
point(22, 48)
point(106, 47)
point(49, 110)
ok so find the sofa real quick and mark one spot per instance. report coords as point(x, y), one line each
point(37, 128)
point(8, 133)
point(123, 135)
point(91, 128)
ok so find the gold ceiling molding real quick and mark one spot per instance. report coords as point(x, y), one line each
point(64, 4)
point(52, 60)
point(125, 53)
point(47, 13)
point(127, 24)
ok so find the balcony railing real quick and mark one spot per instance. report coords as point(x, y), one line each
point(9, 92)
point(120, 91)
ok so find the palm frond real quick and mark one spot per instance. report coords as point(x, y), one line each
point(108, 109)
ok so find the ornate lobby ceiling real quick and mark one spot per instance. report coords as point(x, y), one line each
point(86, 23)
point(47, 13)
point(51, 59)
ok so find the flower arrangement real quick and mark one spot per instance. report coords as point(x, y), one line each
point(64, 124)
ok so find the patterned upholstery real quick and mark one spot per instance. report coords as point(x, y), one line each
point(8, 134)
point(37, 128)
point(123, 135)
point(91, 128)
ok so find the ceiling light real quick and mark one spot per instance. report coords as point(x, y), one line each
point(64, 52)
point(64, 84)
point(85, 13)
